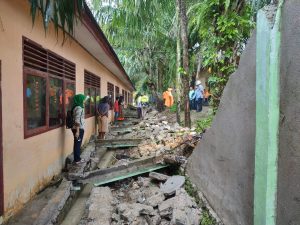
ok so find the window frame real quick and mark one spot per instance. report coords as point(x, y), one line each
point(117, 92)
point(27, 71)
point(86, 85)
point(111, 89)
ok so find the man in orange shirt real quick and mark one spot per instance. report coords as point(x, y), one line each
point(168, 98)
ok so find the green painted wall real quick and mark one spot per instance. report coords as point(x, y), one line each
point(267, 118)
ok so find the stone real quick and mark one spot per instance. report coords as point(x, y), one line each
point(165, 209)
point(164, 122)
point(100, 208)
point(156, 220)
point(172, 184)
point(156, 199)
point(185, 211)
point(130, 212)
point(158, 176)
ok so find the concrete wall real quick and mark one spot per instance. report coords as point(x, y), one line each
point(222, 165)
point(288, 196)
point(30, 163)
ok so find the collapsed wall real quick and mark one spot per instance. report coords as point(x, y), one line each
point(222, 165)
point(288, 195)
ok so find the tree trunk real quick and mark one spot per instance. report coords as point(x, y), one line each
point(178, 65)
point(186, 80)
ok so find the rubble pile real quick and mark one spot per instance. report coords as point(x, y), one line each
point(143, 201)
point(159, 137)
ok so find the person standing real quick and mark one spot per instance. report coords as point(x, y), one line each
point(116, 109)
point(199, 93)
point(139, 106)
point(121, 103)
point(102, 111)
point(78, 128)
point(168, 98)
point(145, 104)
point(192, 98)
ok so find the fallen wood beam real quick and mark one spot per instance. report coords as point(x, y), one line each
point(118, 143)
point(133, 168)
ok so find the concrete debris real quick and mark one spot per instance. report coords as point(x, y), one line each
point(146, 205)
point(158, 176)
point(159, 137)
point(172, 185)
point(129, 212)
point(100, 207)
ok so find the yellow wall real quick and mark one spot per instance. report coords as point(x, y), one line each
point(30, 163)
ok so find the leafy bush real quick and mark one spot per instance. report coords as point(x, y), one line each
point(207, 219)
point(173, 108)
point(203, 124)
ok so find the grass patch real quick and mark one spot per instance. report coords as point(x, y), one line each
point(203, 124)
point(206, 217)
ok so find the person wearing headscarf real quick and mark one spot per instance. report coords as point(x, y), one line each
point(102, 111)
point(78, 128)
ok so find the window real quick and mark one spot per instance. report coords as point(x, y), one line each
point(92, 89)
point(129, 98)
point(36, 101)
point(117, 89)
point(110, 92)
point(49, 86)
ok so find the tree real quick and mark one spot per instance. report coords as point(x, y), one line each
point(185, 60)
point(62, 13)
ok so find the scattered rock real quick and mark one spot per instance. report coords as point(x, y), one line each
point(156, 199)
point(130, 212)
point(172, 185)
point(158, 176)
point(100, 211)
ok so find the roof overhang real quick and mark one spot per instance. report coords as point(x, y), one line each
point(88, 33)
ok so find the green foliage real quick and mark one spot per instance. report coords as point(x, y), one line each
point(192, 191)
point(173, 108)
point(203, 124)
point(61, 12)
point(223, 28)
point(207, 219)
point(142, 33)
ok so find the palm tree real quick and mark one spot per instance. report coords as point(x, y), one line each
point(62, 13)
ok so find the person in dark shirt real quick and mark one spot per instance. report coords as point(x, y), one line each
point(102, 111)
point(116, 109)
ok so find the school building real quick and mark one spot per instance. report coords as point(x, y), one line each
point(38, 77)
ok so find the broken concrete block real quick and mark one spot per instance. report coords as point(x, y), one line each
point(165, 209)
point(172, 184)
point(100, 208)
point(185, 211)
point(158, 176)
point(130, 212)
point(155, 200)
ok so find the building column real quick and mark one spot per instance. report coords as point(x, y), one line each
point(267, 116)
